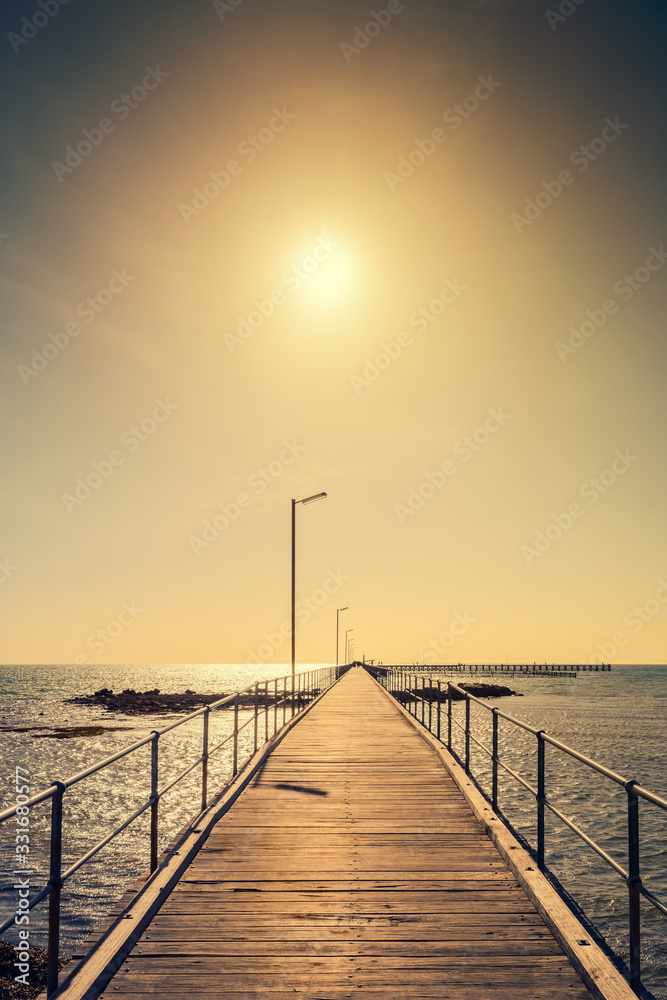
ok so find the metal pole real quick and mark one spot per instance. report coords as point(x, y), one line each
point(439, 701)
point(236, 733)
point(449, 716)
point(540, 799)
point(256, 711)
point(292, 695)
point(266, 711)
point(275, 706)
point(634, 880)
point(423, 699)
point(430, 702)
point(284, 698)
point(154, 798)
point(467, 734)
point(204, 763)
point(56, 882)
point(293, 588)
point(494, 790)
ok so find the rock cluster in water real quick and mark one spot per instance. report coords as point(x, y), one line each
point(132, 702)
point(478, 689)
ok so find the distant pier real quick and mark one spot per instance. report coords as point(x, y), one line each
point(528, 669)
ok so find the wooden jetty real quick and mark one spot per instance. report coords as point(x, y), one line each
point(353, 859)
point(569, 670)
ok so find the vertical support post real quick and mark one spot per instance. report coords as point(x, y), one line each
point(275, 706)
point(204, 761)
point(634, 879)
point(266, 711)
point(56, 882)
point(430, 702)
point(423, 698)
point(439, 703)
point(154, 798)
point(540, 799)
point(494, 788)
point(236, 733)
point(449, 716)
point(284, 698)
point(256, 711)
point(467, 734)
point(292, 696)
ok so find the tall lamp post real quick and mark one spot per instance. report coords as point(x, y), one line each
point(316, 496)
point(338, 611)
point(347, 632)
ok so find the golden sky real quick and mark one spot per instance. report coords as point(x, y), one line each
point(256, 251)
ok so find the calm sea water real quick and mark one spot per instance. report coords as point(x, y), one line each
point(617, 718)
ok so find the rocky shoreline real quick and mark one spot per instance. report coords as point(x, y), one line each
point(478, 689)
point(153, 702)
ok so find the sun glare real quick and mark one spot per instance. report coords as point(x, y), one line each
point(334, 278)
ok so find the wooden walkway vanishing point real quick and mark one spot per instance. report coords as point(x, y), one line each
point(353, 865)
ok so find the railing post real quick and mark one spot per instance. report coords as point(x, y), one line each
point(494, 787)
point(467, 734)
point(236, 733)
point(256, 711)
point(634, 879)
point(449, 716)
point(540, 799)
point(275, 705)
point(154, 798)
point(430, 702)
point(284, 698)
point(266, 711)
point(439, 703)
point(204, 761)
point(423, 699)
point(292, 695)
point(56, 882)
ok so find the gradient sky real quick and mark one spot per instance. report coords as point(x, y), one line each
point(496, 481)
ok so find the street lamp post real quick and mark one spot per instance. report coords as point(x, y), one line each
point(338, 611)
point(347, 632)
point(316, 496)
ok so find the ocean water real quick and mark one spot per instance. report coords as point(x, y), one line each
point(617, 718)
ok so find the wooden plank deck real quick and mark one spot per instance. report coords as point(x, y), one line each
point(351, 866)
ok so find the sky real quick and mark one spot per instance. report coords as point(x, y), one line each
point(410, 255)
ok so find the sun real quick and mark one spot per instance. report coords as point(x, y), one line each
point(328, 279)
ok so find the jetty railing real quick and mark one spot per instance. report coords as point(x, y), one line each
point(267, 699)
point(425, 702)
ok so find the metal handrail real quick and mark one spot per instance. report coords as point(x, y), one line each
point(399, 681)
point(302, 689)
